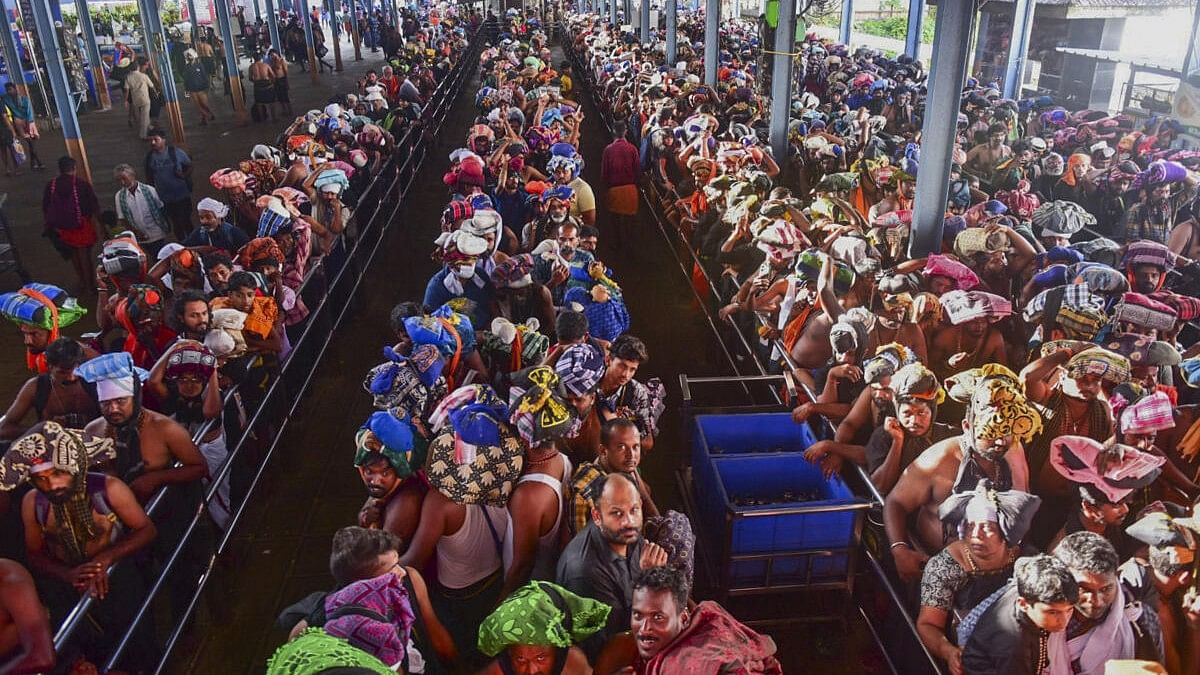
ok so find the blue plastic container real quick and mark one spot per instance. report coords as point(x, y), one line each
point(760, 547)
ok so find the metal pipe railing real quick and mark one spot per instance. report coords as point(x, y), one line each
point(412, 140)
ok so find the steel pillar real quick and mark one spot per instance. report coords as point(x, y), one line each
point(99, 78)
point(951, 47)
point(645, 21)
point(155, 35)
point(712, 42)
point(1018, 47)
point(612, 12)
point(847, 22)
point(672, 32)
point(231, 60)
point(916, 17)
point(336, 29)
point(60, 86)
point(308, 37)
point(781, 78)
point(12, 58)
point(273, 26)
point(355, 31)
point(1190, 64)
point(191, 5)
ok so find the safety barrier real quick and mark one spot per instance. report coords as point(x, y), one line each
point(742, 351)
point(338, 275)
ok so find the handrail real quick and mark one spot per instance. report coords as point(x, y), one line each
point(877, 498)
point(401, 171)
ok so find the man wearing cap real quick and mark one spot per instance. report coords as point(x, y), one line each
point(1107, 624)
point(214, 230)
point(77, 524)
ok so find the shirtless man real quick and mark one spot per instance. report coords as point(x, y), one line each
point(263, 78)
point(59, 395)
point(280, 72)
point(78, 523)
point(989, 447)
point(394, 497)
point(148, 443)
point(25, 642)
point(968, 345)
point(984, 157)
point(806, 330)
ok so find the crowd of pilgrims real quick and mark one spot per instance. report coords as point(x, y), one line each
point(1022, 399)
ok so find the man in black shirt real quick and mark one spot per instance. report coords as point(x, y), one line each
point(894, 446)
point(602, 560)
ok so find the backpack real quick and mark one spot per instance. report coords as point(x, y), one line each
point(173, 154)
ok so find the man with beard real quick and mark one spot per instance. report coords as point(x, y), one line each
point(218, 267)
point(892, 323)
point(214, 230)
point(620, 452)
point(997, 421)
point(622, 397)
point(1153, 218)
point(1107, 624)
point(556, 274)
point(58, 396)
point(1010, 172)
point(30, 309)
point(555, 208)
point(914, 428)
point(78, 523)
point(602, 560)
point(517, 296)
point(386, 445)
point(190, 315)
point(1146, 266)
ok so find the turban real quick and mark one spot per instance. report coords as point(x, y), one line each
point(848, 334)
point(218, 209)
point(47, 445)
point(1101, 279)
point(838, 182)
point(1186, 307)
point(1108, 366)
point(975, 240)
point(484, 222)
point(543, 614)
point(475, 458)
point(224, 179)
point(1114, 470)
point(1148, 415)
point(996, 403)
point(1011, 510)
point(1162, 531)
point(275, 217)
point(260, 250)
point(407, 382)
point(943, 266)
point(513, 272)
point(541, 413)
point(887, 360)
point(442, 329)
point(1142, 350)
point(808, 268)
point(580, 366)
point(1144, 252)
point(963, 306)
point(1144, 312)
point(960, 193)
point(332, 180)
point(915, 382)
point(191, 359)
point(392, 435)
point(113, 374)
point(460, 246)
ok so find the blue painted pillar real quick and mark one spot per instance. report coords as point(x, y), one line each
point(645, 21)
point(306, 12)
point(672, 32)
point(847, 22)
point(712, 33)
point(231, 59)
point(1018, 47)
point(916, 17)
point(59, 85)
point(273, 25)
point(335, 26)
point(951, 46)
point(12, 58)
point(612, 12)
point(781, 78)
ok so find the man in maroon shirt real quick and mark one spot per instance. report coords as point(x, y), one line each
point(619, 168)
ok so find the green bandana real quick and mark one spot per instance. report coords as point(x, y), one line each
point(532, 615)
point(316, 651)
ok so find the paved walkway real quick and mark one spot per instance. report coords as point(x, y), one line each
point(110, 141)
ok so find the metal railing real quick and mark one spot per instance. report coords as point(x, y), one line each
point(341, 274)
point(684, 253)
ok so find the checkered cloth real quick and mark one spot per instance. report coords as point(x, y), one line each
point(581, 366)
point(1144, 312)
point(1187, 307)
point(1149, 414)
point(112, 366)
point(1100, 362)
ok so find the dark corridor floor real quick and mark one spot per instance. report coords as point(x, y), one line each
point(280, 551)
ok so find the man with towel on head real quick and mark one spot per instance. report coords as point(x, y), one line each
point(214, 230)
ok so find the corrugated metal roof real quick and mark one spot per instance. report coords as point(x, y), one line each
point(1111, 3)
point(1142, 61)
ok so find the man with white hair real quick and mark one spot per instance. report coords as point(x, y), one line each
point(214, 230)
point(139, 208)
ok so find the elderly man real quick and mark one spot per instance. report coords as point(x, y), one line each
point(78, 523)
point(139, 208)
point(998, 420)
